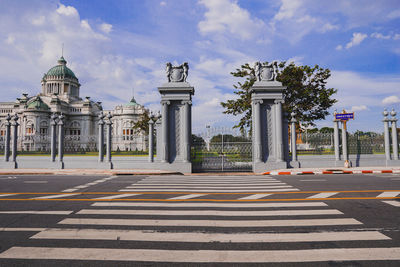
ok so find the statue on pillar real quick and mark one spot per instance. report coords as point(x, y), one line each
point(177, 73)
point(266, 72)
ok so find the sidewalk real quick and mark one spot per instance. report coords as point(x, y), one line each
point(334, 170)
point(85, 172)
point(295, 171)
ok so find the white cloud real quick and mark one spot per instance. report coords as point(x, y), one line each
point(391, 100)
point(378, 35)
point(394, 14)
point(38, 21)
point(329, 27)
point(353, 87)
point(225, 16)
point(105, 27)
point(163, 3)
point(67, 10)
point(288, 9)
point(10, 39)
point(396, 36)
point(359, 108)
point(339, 47)
point(357, 38)
point(85, 25)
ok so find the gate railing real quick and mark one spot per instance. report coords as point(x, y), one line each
point(222, 156)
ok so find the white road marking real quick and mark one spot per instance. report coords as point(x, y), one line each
point(313, 180)
point(70, 190)
point(48, 212)
point(81, 186)
point(117, 196)
point(56, 196)
point(9, 229)
point(210, 256)
point(212, 223)
point(393, 203)
point(213, 184)
point(324, 195)
point(201, 190)
point(208, 181)
point(35, 182)
point(7, 195)
point(188, 196)
point(389, 194)
point(92, 183)
point(209, 187)
point(256, 196)
point(139, 235)
point(211, 212)
point(212, 205)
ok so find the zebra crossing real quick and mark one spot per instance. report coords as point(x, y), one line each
point(205, 232)
point(209, 184)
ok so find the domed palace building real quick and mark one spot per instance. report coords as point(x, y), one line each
point(60, 93)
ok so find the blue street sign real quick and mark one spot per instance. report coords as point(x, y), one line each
point(344, 116)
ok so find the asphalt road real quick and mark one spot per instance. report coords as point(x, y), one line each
point(307, 220)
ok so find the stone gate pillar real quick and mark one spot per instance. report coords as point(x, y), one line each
point(176, 97)
point(7, 139)
point(269, 138)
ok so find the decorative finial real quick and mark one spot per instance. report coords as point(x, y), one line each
point(62, 50)
point(385, 112)
point(393, 113)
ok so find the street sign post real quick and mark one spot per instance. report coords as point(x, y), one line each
point(344, 117)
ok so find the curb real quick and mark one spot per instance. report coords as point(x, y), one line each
point(330, 172)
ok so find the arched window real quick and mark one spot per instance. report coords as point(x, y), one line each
point(2, 129)
point(127, 130)
point(29, 128)
point(44, 126)
point(75, 128)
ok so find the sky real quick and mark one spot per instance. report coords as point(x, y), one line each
point(118, 46)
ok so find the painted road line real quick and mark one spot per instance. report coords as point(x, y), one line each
point(211, 212)
point(213, 184)
point(212, 223)
point(9, 229)
point(7, 195)
point(138, 235)
point(389, 194)
point(70, 190)
point(47, 212)
point(208, 187)
point(117, 196)
point(211, 205)
point(211, 191)
point(313, 180)
point(82, 186)
point(56, 196)
point(209, 256)
point(188, 196)
point(324, 195)
point(208, 181)
point(256, 196)
point(393, 203)
point(35, 182)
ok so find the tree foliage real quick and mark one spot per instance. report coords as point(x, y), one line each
point(142, 125)
point(306, 93)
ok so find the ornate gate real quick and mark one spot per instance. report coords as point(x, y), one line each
point(222, 153)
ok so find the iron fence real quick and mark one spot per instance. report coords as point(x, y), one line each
point(222, 156)
point(357, 143)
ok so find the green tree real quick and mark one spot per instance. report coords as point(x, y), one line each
point(142, 125)
point(306, 93)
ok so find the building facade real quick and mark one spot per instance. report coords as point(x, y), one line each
point(60, 93)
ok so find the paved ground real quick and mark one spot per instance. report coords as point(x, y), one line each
point(323, 220)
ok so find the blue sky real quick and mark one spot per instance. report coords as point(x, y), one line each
point(114, 46)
